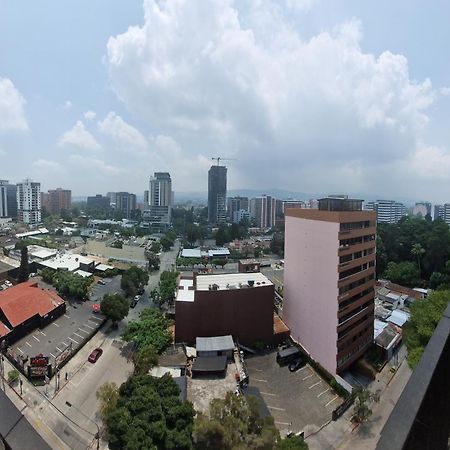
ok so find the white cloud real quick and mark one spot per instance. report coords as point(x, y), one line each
point(79, 137)
point(243, 82)
point(46, 164)
point(125, 136)
point(94, 165)
point(67, 104)
point(2, 152)
point(12, 103)
point(445, 91)
point(90, 115)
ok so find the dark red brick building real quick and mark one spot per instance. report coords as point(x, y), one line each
point(239, 304)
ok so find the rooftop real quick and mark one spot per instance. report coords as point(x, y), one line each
point(214, 344)
point(69, 261)
point(228, 281)
point(21, 302)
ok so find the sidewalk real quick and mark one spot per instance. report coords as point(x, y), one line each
point(342, 435)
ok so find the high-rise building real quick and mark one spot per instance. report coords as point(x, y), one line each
point(388, 211)
point(329, 280)
point(3, 198)
point(98, 201)
point(262, 210)
point(45, 201)
point(29, 202)
point(125, 204)
point(146, 198)
point(438, 212)
point(112, 198)
point(59, 199)
point(422, 209)
point(11, 200)
point(234, 205)
point(217, 194)
point(158, 213)
point(446, 214)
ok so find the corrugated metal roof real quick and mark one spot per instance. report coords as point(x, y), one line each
point(214, 344)
point(398, 317)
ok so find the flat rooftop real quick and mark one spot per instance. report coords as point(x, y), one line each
point(232, 281)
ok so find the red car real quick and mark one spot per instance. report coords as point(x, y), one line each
point(95, 354)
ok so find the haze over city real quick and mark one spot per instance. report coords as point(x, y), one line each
point(308, 96)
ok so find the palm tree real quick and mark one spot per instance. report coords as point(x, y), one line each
point(417, 250)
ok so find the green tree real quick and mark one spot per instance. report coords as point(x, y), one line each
point(133, 280)
point(71, 284)
point(152, 328)
point(152, 259)
point(363, 399)
point(235, 422)
point(115, 307)
point(277, 244)
point(24, 269)
point(168, 285)
point(292, 443)
point(222, 235)
point(144, 359)
point(404, 273)
point(418, 251)
point(48, 275)
point(150, 415)
point(107, 395)
point(425, 315)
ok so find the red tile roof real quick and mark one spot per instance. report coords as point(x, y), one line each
point(21, 302)
point(4, 330)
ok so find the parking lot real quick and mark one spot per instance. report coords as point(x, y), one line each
point(73, 329)
point(296, 400)
point(111, 286)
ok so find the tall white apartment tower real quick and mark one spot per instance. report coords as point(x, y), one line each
point(29, 202)
point(158, 213)
point(3, 198)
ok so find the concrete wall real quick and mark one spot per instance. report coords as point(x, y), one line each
point(310, 287)
point(246, 314)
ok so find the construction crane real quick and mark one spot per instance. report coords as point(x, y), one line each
point(219, 158)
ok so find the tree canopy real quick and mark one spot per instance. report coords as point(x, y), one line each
point(425, 315)
point(424, 243)
point(24, 270)
point(133, 280)
point(150, 415)
point(235, 423)
point(67, 283)
point(115, 307)
point(152, 328)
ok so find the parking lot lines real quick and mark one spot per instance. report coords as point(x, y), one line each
point(302, 368)
point(73, 340)
point(84, 331)
point(79, 335)
point(95, 318)
point(276, 408)
point(29, 345)
point(260, 380)
point(315, 384)
point(43, 334)
point(325, 391)
point(59, 350)
point(308, 376)
point(65, 315)
point(35, 337)
point(51, 354)
point(267, 393)
point(56, 325)
point(283, 423)
point(332, 400)
point(20, 350)
point(86, 325)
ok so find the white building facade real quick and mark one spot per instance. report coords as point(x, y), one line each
point(29, 202)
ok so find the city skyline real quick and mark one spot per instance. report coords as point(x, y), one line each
point(352, 99)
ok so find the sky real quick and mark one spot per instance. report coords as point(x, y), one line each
point(302, 95)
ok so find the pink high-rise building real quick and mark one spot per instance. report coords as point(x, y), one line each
point(329, 280)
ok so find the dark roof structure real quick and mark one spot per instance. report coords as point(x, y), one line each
point(209, 364)
point(214, 344)
point(15, 430)
point(182, 384)
point(421, 418)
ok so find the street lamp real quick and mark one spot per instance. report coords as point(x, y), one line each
point(97, 436)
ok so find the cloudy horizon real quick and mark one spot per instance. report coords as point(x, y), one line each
point(303, 96)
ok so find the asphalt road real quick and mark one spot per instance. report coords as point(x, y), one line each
point(85, 378)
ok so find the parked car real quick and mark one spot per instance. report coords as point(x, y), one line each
point(95, 354)
point(287, 355)
point(102, 282)
point(297, 364)
point(8, 283)
point(135, 300)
